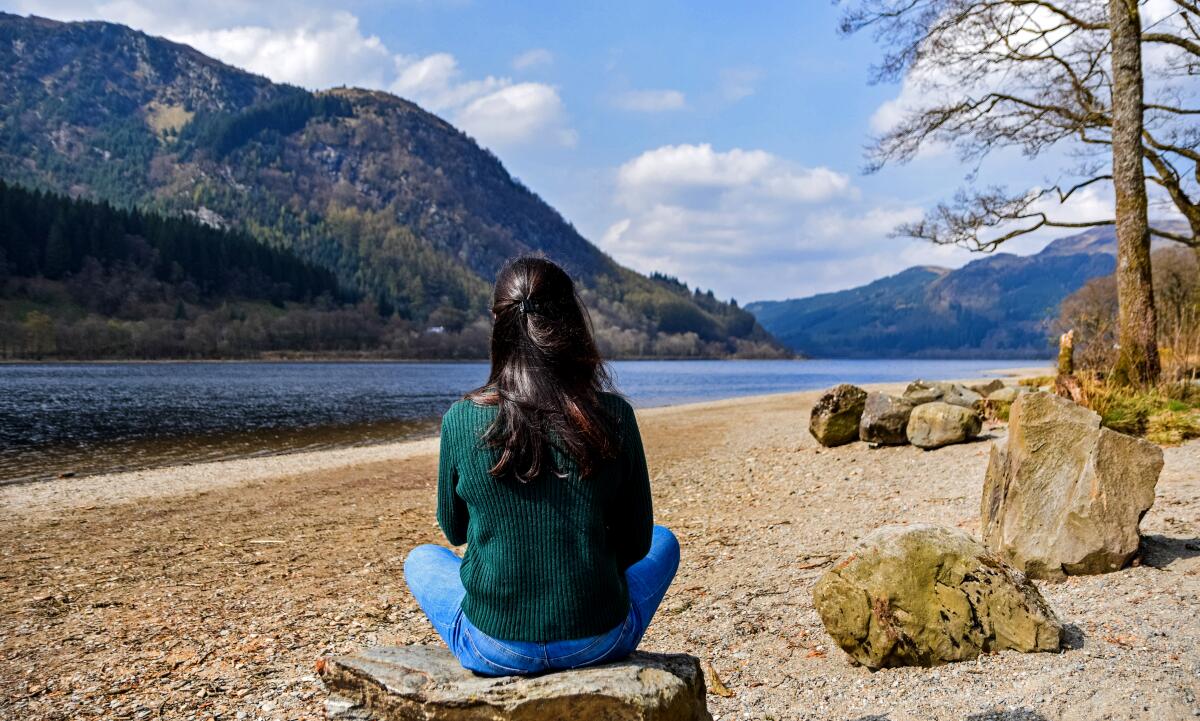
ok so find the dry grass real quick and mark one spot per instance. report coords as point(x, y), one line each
point(1167, 414)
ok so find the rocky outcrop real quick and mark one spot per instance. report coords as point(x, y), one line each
point(885, 419)
point(1066, 496)
point(835, 416)
point(427, 682)
point(923, 595)
point(933, 425)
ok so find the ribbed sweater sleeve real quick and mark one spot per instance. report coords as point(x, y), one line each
point(452, 514)
point(631, 519)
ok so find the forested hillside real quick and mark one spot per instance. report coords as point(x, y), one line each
point(406, 211)
point(85, 280)
point(1000, 306)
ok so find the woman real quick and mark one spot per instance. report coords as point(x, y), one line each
point(543, 476)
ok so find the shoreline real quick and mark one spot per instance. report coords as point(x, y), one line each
point(402, 361)
point(37, 497)
point(211, 592)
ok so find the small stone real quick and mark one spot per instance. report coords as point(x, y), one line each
point(986, 389)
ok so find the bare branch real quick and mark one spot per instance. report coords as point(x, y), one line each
point(1190, 46)
point(1173, 110)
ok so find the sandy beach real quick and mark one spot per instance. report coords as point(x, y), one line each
point(210, 591)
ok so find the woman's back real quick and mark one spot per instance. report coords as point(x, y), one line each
point(546, 558)
point(543, 476)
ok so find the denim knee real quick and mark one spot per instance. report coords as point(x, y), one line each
point(665, 545)
point(420, 556)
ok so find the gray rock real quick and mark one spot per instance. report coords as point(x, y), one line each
point(389, 683)
point(920, 392)
point(835, 416)
point(1007, 394)
point(1065, 496)
point(933, 425)
point(986, 389)
point(960, 395)
point(885, 419)
point(924, 595)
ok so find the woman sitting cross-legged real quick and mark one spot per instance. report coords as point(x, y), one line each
point(543, 476)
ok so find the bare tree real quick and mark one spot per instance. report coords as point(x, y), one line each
point(1038, 75)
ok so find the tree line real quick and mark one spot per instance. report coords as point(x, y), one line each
point(55, 237)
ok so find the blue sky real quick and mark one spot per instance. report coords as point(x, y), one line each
point(702, 139)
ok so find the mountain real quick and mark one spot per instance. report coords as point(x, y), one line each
point(407, 211)
point(999, 306)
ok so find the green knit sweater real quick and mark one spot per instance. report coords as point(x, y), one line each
point(545, 560)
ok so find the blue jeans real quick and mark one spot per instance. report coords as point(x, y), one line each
point(432, 575)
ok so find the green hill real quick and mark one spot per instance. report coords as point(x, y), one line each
point(403, 208)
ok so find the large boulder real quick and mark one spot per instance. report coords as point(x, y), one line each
point(885, 419)
point(391, 683)
point(835, 416)
point(933, 425)
point(923, 595)
point(1066, 496)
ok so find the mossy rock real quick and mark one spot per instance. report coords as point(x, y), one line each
point(924, 595)
point(835, 417)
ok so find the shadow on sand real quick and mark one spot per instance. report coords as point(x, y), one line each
point(1160, 551)
point(1019, 714)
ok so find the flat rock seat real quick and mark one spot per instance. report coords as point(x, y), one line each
point(389, 683)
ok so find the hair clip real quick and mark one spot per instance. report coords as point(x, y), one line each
point(527, 307)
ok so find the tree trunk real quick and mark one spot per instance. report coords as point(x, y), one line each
point(1137, 361)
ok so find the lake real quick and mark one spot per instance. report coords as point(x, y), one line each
point(101, 417)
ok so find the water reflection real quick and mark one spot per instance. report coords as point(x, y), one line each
point(90, 418)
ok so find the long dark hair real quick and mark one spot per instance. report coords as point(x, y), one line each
point(546, 374)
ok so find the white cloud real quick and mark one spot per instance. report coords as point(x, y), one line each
point(335, 53)
point(494, 110)
point(749, 223)
point(516, 113)
point(319, 46)
point(650, 101)
point(537, 57)
point(673, 170)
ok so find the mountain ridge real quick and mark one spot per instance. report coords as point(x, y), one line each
point(998, 306)
point(402, 206)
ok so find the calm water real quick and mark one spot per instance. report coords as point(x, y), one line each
point(101, 417)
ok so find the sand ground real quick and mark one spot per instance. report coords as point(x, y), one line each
point(210, 591)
